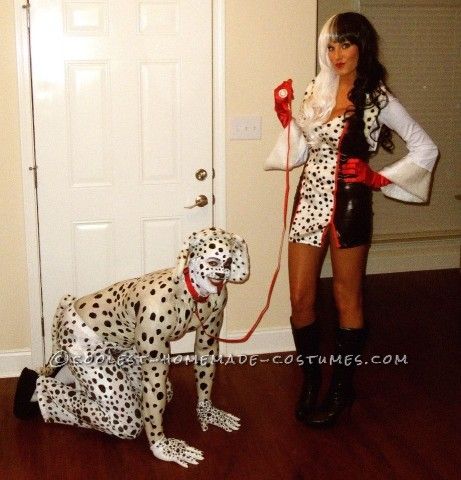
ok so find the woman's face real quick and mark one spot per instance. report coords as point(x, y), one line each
point(344, 57)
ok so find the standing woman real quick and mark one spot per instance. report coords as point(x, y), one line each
point(346, 113)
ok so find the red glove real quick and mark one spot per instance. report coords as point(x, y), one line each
point(283, 95)
point(358, 171)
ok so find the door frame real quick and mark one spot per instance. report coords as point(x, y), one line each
point(28, 157)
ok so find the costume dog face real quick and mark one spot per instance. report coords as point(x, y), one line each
point(142, 316)
point(214, 257)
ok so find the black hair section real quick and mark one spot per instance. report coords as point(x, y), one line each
point(371, 79)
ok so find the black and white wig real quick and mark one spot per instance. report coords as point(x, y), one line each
point(369, 88)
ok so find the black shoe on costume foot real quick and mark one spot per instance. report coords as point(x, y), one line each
point(23, 408)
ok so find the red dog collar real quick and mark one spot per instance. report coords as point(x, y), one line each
point(195, 295)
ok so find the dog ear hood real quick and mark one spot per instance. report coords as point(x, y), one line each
point(240, 268)
point(188, 246)
point(183, 256)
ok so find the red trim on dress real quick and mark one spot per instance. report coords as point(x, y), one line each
point(332, 217)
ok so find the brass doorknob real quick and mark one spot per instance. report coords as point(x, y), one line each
point(201, 174)
point(200, 201)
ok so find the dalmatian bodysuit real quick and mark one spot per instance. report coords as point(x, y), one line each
point(116, 344)
point(106, 395)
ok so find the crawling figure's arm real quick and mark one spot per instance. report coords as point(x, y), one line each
point(206, 351)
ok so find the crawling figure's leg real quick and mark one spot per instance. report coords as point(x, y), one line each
point(104, 394)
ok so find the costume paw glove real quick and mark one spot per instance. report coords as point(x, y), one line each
point(358, 171)
point(283, 95)
point(174, 450)
point(208, 414)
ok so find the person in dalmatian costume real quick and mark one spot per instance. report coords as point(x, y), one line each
point(347, 111)
point(130, 325)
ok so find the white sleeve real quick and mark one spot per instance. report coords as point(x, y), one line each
point(277, 159)
point(411, 175)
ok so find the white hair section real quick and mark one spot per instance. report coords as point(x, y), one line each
point(320, 100)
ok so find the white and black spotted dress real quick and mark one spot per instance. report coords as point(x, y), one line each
point(323, 200)
point(315, 198)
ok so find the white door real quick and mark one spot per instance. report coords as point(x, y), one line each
point(122, 109)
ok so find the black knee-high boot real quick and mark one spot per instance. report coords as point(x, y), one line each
point(341, 394)
point(307, 347)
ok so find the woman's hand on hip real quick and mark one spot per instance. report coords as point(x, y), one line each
point(355, 170)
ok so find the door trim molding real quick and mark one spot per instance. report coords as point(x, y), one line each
point(219, 112)
point(29, 194)
point(219, 126)
point(27, 155)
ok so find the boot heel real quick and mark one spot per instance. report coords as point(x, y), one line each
point(329, 416)
point(341, 395)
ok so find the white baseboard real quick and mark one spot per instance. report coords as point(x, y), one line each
point(412, 254)
point(417, 252)
point(13, 361)
point(436, 251)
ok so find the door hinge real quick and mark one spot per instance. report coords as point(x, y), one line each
point(26, 7)
point(34, 169)
point(42, 320)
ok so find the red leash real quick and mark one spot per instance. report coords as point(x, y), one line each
point(279, 261)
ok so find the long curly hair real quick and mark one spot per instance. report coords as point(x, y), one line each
point(369, 87)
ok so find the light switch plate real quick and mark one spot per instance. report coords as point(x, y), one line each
point(246, 127)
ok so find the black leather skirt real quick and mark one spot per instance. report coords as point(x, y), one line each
point(353, 215)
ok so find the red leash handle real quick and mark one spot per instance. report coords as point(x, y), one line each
point(282, 241)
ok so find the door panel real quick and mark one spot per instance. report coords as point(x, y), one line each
point(122, 112)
